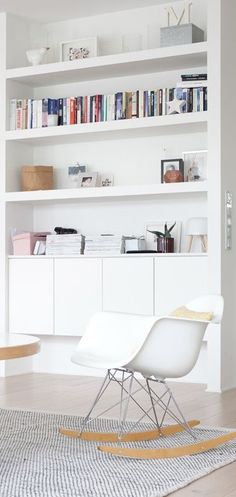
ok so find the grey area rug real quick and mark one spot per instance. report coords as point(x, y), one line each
point(36, 461)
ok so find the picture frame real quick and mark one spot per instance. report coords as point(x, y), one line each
point(81, 48)
point(159, 226)
point(172, 165)
point(195, 165)
point(87, 180)
point(106, 180)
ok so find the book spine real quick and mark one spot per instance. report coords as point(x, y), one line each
point(160, 101)
point(19, 114)
point(34, 114)
point(140, 104)
point(118, 105)
point(39, 114)
point(60, 112)
point(205, 99)
point(155, 105)
point(45, 112)
point(64, 112)
point(78, 106)
point(52, 112)
point(72, 111)
point(13, 114)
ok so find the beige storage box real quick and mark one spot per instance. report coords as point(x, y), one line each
point(36, 178)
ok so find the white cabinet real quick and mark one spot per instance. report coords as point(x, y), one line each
point(78, 294)
point(178, 280)
point(128, 285)
point(31, 296)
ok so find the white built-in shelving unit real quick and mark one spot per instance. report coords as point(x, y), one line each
point(131, 150)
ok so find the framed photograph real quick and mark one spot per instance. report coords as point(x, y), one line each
point(195, 165)
point(172, 170)
point(107, 180)
point(159, 226)
point(87, 180)
point(82, 48)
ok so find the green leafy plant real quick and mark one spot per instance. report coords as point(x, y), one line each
point(166, 233)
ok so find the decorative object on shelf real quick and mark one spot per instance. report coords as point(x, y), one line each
point(164, 240)
point(135, 243)
point(195, 165)
point(24, 243)
point(35, 56)
point(107, 180)
point(65, 231)
point(196, 230)
point(36, 178)
point(87, 180)
point(131, 42)
point(179, 29)
point(172, 170)
point(151, 239)
point(78, 49)
point(73, 173)
point(177, 105)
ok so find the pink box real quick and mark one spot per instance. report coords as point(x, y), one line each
point(24, 243)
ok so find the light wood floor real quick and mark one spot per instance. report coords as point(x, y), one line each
point(73, 395)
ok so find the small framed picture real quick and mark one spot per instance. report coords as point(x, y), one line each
point(107, 180)
point(195, 165)
point(87, 180)
point(172, 170)
point(151, 243)
point(78, 49)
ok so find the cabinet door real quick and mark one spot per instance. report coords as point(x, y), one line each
point(78, 294)
point(31, 296)
point(178, 280)
point(128, 285)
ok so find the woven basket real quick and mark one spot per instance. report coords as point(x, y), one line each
point(36, 178)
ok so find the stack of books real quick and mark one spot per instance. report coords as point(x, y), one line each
point(193, 89)
point(31, 113)
point(106, 244)
point(64, 244)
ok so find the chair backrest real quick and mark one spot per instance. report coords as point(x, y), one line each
point(172, 347)
point(111, 339)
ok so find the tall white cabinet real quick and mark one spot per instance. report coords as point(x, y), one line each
point(70, 290)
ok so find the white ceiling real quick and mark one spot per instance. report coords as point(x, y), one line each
point(56, 10)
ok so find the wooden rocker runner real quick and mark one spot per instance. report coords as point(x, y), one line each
point(158, 348)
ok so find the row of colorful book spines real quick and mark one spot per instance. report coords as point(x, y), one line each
point(31, 113)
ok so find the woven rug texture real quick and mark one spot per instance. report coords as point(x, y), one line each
point(36, 461)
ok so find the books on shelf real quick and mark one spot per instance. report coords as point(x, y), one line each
point(65, 244)
point(33, 113)
point(107, 244)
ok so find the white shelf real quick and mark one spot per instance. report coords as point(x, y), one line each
point(108, 192)
point(105, 256)
point(123, 64)
point(141, 126)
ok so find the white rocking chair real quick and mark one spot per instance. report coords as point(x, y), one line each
point(158, 348)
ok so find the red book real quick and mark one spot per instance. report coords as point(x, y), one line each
point(72, 111)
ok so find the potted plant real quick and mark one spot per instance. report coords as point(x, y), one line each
point(165, 242)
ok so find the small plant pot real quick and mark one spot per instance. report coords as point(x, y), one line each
point(165, 245)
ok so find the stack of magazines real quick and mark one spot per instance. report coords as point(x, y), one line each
point(64, 244)
point(107, 244)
